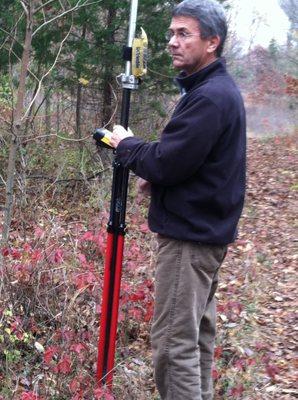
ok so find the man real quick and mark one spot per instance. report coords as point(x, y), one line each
point(197, 177)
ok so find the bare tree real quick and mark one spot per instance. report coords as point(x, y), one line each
point(290, 7)
point(21, 112)
point(17, 119)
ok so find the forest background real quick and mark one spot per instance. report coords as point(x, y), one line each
point(59, 60)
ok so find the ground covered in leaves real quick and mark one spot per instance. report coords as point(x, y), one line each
point(52, 281)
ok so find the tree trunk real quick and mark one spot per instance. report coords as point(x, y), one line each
point(79, 104)
point(107, 109)
point(78, 111)
point(17, 128)
point(58, 114)
point(48, 113)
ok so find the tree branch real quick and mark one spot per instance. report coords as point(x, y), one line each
point(43, 5)
point(10, 33)
point(68, 180)
point(76, 7)
point(24, 7)
point(30, 139)
point(48, 72)
point(29, 71)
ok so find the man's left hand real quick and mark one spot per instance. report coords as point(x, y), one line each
point(119, 133)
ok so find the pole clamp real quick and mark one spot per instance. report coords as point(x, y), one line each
point(128, 81)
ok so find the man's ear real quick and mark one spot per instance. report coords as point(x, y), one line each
point(214, 42)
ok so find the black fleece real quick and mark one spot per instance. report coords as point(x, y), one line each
point(197, 169)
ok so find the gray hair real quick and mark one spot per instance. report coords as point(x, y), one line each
point(210, 15)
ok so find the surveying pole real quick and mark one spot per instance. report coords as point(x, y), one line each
point(135, 54)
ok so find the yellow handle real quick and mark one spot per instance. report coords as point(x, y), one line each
point(140, 55)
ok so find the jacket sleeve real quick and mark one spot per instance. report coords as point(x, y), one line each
point(185, 143)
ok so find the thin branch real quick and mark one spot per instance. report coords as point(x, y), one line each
point(67, 180)
point(4, 121)
point(30, 139)
point(11, 84)
point(116, 107)
point(2, 179)
point(76, 7)
point(10, 34)
point(292, 60)
point(44, 15)
point(62, 5)
point(24, 7)
point(43, 5)
point(158, 73)
point(41, 103)
point(48, 72)
point(29, 71)
point(56, 17)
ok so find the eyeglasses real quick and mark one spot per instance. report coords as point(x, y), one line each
point(180, 36)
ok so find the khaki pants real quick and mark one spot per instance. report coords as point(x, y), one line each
point(183, 330)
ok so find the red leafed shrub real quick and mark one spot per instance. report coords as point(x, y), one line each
point(29, 396)
point(64, 365)
point(272, 370)
point(16, 254)
point(215, 373)
point(218, 352)
point(58, 256)
point(237, 391)
point(5, 251)
point(292, 85)
point(103, 394)
point(49, 353)
point(74, 385)
point(78, 347)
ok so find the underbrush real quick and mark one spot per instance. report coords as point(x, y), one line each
point(51, 288)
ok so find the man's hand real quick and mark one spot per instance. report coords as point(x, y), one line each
point(119, 133)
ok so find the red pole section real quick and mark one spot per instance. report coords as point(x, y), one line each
point(115, 308)
point(105, 307)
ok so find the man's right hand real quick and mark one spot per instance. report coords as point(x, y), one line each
point(119, 133)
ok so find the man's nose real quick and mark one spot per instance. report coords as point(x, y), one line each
point(173, 42)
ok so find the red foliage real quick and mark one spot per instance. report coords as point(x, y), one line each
point(144, 227)
point(29, 396)
point(218, 352)
point(149, 308)
point(64, 365)
point(49, 353)
point(99, 238)
point(5, 251)
point(16, 254)
point(103, 394)
point(58, 256)
point(272, 370)
point(39, 233)
point(78, 347)
point(36, 256)
point(87, 236)
point(74, 385)
point(237, 391)
point(215, 374)
point(241, 364)
point(292, 85)
point(267, 79)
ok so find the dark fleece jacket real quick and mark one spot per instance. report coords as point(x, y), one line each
point(197, 169)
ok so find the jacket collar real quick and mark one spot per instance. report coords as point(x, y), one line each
point(186, 83)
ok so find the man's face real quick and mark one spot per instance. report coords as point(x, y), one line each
point(189, 52)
